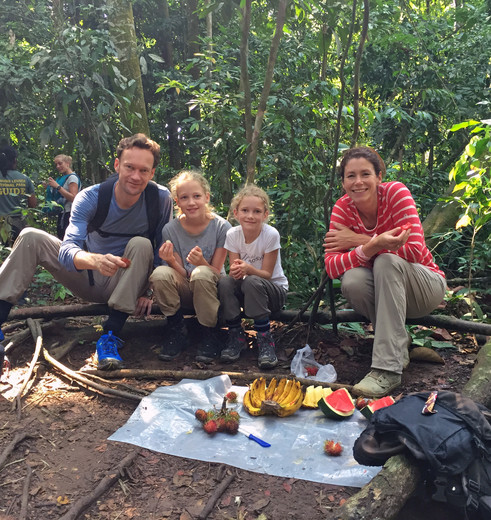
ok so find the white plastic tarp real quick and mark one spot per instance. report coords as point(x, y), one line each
point(164, 422)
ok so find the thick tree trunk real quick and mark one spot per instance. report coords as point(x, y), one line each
point(122, 32)
point(385, 495)
point(478, 388)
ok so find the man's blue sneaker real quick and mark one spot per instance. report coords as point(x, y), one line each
point(107, 352)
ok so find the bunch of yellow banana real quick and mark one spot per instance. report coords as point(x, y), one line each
point(281, 398)
point(313, 394)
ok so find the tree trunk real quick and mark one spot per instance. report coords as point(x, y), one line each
point(268, 80)
point(356, 74)
point(122, 33)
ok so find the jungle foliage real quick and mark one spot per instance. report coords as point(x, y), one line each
point(67, 85)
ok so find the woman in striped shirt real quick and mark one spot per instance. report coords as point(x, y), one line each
point(376, 242)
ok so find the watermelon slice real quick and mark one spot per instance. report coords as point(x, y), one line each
point(368, 410)
point(338, 405)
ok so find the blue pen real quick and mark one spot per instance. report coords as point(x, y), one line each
point(249, 435)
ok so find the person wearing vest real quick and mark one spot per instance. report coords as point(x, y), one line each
point(110, 263)
point(66, 190)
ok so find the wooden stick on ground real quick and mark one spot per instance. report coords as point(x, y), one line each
point(83, 503)
point(11, 447)
point(216, 495)
point(84, 381)
point(36, 332)
point(25, 494)
point(177, 375)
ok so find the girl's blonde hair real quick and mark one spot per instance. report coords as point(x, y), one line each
point(186, 176)
point(249, 190)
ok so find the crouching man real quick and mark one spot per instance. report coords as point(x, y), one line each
point(109, 249)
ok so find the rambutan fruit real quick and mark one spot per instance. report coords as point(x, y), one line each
point(311, 370)
point(210, 426)
point(221, 424)
point(361, 402)
point(201, 415)
point(333, 448)
point(231, 397)
point(234, 415)
point(231, 426)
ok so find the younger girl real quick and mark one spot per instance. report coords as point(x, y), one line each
point(194, 252)
point(256, 281)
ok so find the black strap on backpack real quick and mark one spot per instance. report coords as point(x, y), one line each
point(103, 202)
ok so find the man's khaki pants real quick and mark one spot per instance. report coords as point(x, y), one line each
point(34, 247)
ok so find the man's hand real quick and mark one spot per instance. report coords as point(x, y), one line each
point(108, 264)
point(143, 307)
point(195, 256)
point(239, 269)
point(343, 239)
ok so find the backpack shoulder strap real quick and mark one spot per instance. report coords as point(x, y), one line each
point(153, 210)
point(103, 202)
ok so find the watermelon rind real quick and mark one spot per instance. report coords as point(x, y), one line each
point(338, 405)
point(368, 410)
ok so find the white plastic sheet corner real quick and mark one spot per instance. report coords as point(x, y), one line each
point(164, 422)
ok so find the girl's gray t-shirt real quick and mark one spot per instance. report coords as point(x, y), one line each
point(210, 239)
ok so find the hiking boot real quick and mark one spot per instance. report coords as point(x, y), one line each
point(209, 349)
point(377, 383)
point(236, 343)
point(267, 356)
point(107, 352)
point(175, 342)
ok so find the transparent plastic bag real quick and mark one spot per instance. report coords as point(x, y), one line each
point(303, 359)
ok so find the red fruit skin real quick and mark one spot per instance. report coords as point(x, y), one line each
point(127, 261)
point(221, 424)
point(201, 415)
point(311, 371)
point(210, 427)
point(405, 227)
point(232, 426)
point(332, 448)
point(231, 397)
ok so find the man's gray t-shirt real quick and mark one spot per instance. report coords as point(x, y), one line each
point(210, 239)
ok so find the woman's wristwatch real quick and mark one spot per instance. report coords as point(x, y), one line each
point(58, 188)
point(149, 293)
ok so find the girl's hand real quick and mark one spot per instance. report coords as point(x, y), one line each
point(166, 251)
point(195, 256)
point(239, 269)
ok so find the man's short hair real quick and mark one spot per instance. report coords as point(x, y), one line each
point(64, 158)
point(139, 141)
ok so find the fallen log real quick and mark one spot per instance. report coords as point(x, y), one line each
point(11, 447)
point(478, 387)
point(177, 375)
point(385, 495)
point(403, 475)
point(323, 318)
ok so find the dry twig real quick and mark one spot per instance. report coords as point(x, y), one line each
point(112, 477)
point(25, 494)
point(216, 495)
point(11, 447)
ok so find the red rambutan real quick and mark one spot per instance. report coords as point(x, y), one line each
point(210, 426)
point(231, 397)
point(333, 448)
point(201, 415)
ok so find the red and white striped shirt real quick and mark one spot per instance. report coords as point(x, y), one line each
point(395, 207)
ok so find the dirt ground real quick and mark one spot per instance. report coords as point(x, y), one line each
point(68, 426)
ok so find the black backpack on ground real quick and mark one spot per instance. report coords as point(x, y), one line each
point(104, 201)
point(453, 445)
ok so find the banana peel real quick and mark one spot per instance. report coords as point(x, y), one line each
point(281, 398)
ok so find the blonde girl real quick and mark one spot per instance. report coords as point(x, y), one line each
point(256, 280)
point(193, 254)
